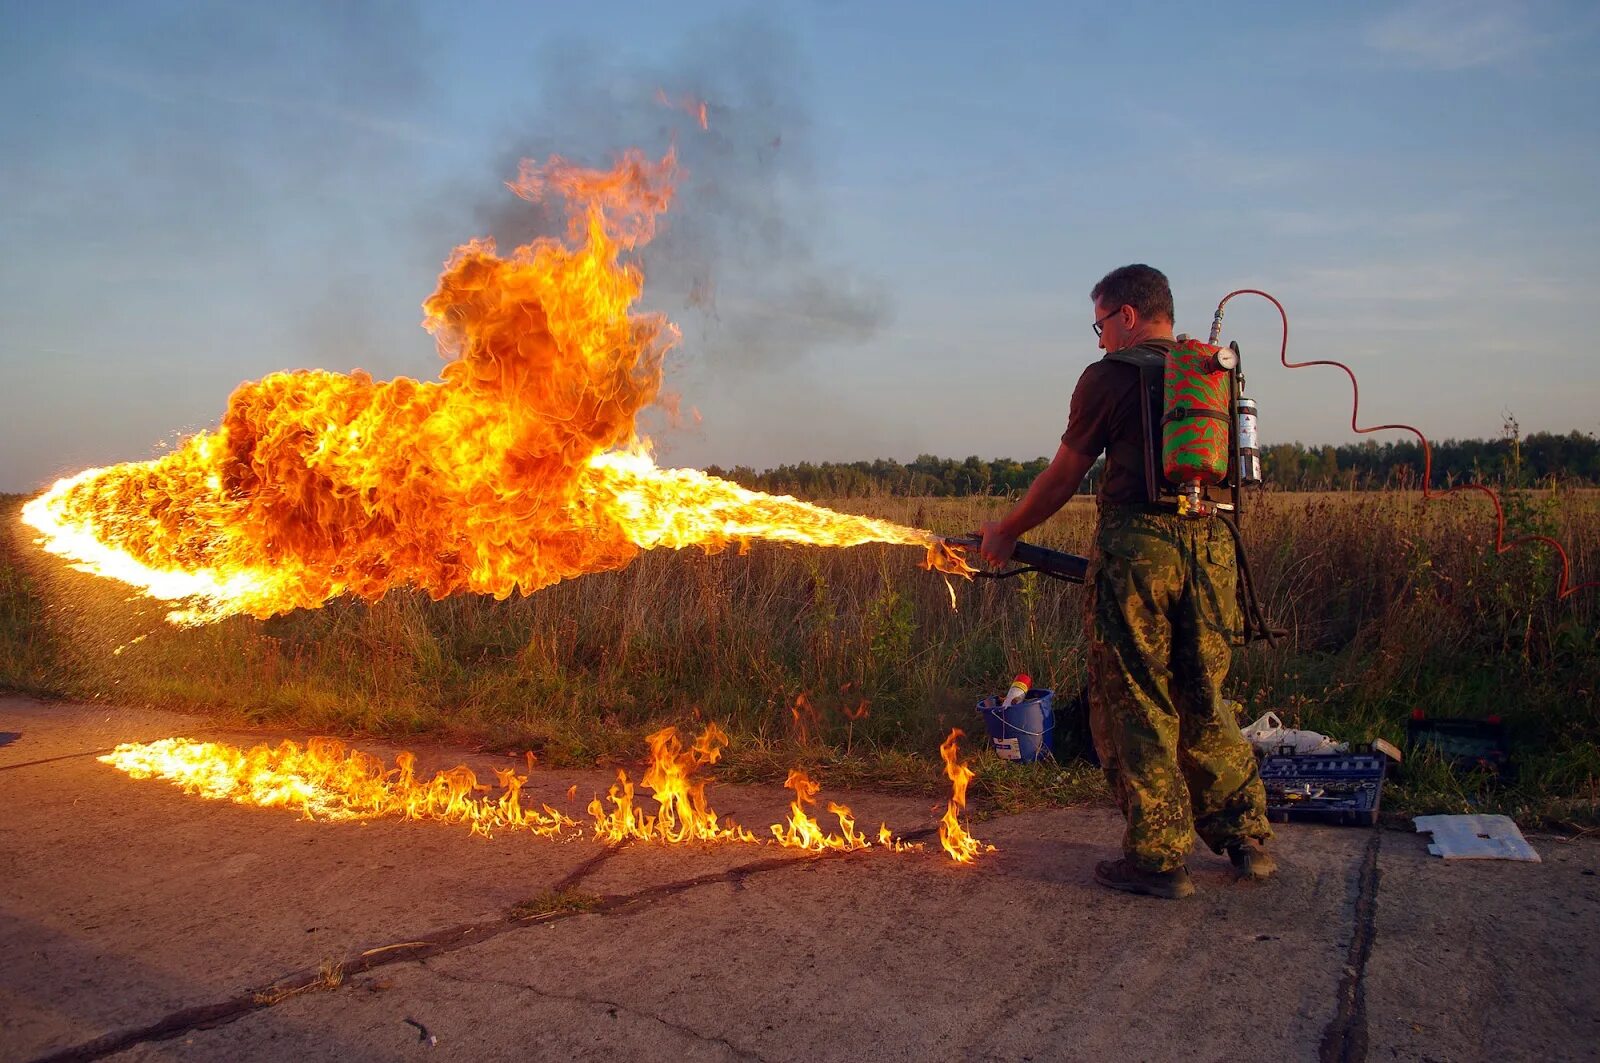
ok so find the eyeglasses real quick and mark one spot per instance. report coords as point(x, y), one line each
point(1100, 326)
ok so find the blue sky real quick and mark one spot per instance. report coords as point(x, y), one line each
point(900, 207)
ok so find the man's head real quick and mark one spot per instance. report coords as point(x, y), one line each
point(1132, 304)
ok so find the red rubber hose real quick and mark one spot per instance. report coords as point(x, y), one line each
point(1501, 545)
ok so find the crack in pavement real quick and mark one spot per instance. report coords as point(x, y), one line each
point(450, 939)
point(52, 760)
point(589, 867)
point(88, 753)
point(1344, 1039)
point(614, 1006)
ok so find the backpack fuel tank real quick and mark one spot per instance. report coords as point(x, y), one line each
point(1195, 421)
point(1188, 426)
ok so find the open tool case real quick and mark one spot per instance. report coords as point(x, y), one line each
point(1325, 787)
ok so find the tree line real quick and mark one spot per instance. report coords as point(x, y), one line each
point(1572, 459)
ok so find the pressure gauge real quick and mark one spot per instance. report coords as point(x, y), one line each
point(1228, 357)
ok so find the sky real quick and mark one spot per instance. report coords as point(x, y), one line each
point(883, 244)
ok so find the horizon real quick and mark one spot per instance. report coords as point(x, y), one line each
point(883, 240)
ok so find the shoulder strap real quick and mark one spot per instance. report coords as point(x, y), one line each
point(1151, 364)
point(1143, 357)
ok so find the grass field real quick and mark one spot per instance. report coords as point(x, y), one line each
point(854, 663)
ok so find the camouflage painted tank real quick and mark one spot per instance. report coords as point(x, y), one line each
point(1195, 442)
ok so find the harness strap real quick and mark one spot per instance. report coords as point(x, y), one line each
point(1178, 413)
point(1152, 367)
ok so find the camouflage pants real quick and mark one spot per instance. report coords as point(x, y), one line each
point(1161, 618)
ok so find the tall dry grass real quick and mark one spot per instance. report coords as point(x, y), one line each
point(1393, 606)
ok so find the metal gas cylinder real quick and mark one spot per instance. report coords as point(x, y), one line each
point(1249, 444)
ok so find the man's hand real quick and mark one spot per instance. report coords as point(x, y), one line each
point(997, 546)
point(1049, 491)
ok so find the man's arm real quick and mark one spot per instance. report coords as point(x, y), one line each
point(1049, 492)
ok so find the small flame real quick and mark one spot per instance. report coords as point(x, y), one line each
point(803, 832)
point(689, 105)
point(805, 719)
point(682, 812)
point(962, 847)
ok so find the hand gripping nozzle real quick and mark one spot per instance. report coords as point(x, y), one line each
point(1029, 558)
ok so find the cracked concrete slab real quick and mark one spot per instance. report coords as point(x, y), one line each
point(638, 866)
point(126, 899)
point(48, 731)
point(836, 958)
point(478, 1019)
point(133, 905)
point(1487, 960)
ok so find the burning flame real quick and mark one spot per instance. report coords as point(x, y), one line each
point(962, 847)
point(324, 780)
point(692, 106)
point(519, 468)
point(681, 799)
point(803, 832)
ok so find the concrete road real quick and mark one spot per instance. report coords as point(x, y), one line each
point(138, 923)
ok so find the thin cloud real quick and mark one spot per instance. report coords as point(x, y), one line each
point(396, 129)
point(1455, 281)
point(1304, 223)
point(1175, 135)
point(1456, 34)
point(170, 89)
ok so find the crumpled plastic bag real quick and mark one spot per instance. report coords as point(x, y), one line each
point(1268, 735)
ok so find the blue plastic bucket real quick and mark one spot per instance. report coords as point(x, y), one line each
point(1020, 732)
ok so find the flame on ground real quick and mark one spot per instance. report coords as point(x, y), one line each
point(962, 847)
point(520, 467)
point(326, 780)
point(803, 832)
point(683, 814)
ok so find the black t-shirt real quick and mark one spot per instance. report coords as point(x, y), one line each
point(1105, 417)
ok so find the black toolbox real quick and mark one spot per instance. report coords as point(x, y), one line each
point(1464, 744)
point(1343, 788)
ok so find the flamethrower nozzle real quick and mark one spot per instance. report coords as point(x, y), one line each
point(1030, 558)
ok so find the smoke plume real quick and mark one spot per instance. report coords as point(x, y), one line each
point(734, 261)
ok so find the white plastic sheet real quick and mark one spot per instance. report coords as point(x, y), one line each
point(1476, 838)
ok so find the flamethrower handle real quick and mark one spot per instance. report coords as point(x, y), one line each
point(1069, 568)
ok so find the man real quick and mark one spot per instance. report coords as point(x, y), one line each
point(1161, 616)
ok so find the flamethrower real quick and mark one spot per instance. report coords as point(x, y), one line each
point(1201, 435)
point(1200, 432)
point(1069, 568)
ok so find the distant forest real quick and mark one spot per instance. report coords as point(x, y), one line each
point(1541, 458)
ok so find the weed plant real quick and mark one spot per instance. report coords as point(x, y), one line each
point(854, 661)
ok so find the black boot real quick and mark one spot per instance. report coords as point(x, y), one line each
point(1121, 875)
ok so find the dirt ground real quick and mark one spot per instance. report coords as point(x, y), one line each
point(142, 924)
